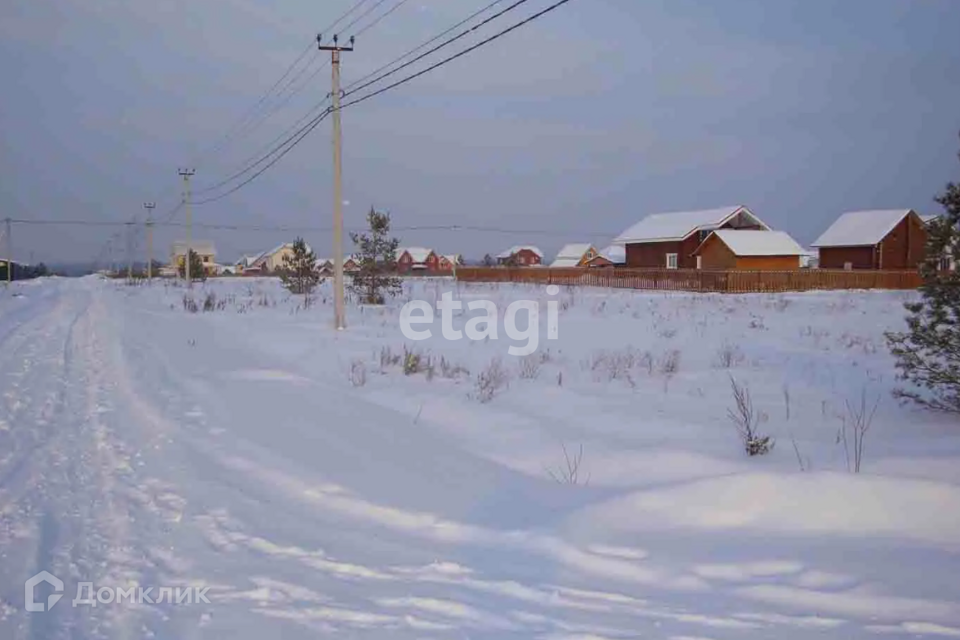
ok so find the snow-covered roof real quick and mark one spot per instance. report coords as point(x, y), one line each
point(201, 247)
point(454, 258)
point(418, 254)
point(615, 253)
point(930, 217)
point(661, 227)
point(574, 250)
point(861, 228)
point(518, 248)
point(570, 255)
point(249, 261)
point(744, 242)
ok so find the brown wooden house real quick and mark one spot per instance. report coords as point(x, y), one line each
point(669, 240)
point(887, 239)
point(743, 249)
point(521, 256)
point(417, 259)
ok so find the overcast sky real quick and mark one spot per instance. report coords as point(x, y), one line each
point(570, 129)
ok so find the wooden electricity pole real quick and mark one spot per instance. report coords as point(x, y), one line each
point(338, 311)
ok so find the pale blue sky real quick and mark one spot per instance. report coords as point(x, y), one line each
point(579, 124)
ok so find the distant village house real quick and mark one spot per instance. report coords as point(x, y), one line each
point(204, 250)
point(612, 256)
point(574, 255)
point(416, 259)
point(521, 256)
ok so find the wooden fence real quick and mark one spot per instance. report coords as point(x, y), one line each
point(695, 280)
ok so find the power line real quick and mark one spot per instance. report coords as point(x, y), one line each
point(295, 139)
point(304, 132)
point(256, 158)
point(258, 119)
point(233, 131)
point(425, 44)
point(252, 164)
point(378, 20)
point(296, 228)
point(470, 49)
point(363, 15)
point(443, 44)
point(344, 16)
point(236, 129)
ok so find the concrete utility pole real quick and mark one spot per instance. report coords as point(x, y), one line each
point(335, 50)
point(9, 252)
point(186, 174)
point(149, 206)
point(130, 251)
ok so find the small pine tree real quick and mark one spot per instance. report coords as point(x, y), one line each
point(300, 274)
point(928, 354)
point(376, 261)
point(488, 260)
point(197, 272)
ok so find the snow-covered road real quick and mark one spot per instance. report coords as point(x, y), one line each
point(143, 446)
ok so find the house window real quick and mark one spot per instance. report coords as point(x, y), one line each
point(699, 262)
point(671, 261)
point(848, 266)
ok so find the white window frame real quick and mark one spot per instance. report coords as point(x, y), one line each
point(699, 262)
point(675, 258)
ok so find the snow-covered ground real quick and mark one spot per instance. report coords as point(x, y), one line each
point(317, 489)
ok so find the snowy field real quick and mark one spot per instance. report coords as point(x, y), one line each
point(596, 489)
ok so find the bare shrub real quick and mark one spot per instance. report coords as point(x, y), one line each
point(388, 358)
point(669, 363)
point(615, 365)
point(756, 322)
point(858, 419)
point(666, 334)
point(529, 367)
point(851, 341)
point(781, 304)
point(451, 370)
point(729, 356)
point(358, 373)
point(189, 304)
point(491, 381)
point(211, 303)
point(569, 472)
point(646, 361)
point(747, 419)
